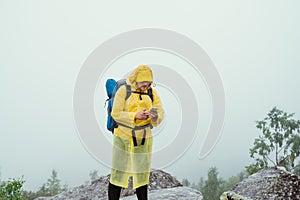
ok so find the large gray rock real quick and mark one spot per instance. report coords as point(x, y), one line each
point(269, 183)
point(161, 184)
point(176, 193)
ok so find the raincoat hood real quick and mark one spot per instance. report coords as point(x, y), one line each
point(140, 74)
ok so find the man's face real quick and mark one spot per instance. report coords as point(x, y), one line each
point(143, 85)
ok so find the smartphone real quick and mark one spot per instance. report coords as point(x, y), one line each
point(153, 110)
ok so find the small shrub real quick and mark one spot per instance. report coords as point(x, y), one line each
point(12, 189)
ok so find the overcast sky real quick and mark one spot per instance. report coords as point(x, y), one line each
point(254, 45)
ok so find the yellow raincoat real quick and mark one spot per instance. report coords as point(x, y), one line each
point(127, 159)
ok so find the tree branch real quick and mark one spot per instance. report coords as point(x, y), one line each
point(281, 149)
point(286, 145)
point(282, 161)
point(271, 160)
point(276, 153)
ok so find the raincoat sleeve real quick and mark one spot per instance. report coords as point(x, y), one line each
point(119, 113)
point(157, 103)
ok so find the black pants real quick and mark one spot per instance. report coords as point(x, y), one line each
point(114, 192)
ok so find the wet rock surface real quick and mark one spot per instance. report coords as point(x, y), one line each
point(269, 183)
point(161, 184)
point(176, 193)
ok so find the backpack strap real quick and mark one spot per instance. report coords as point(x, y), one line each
point(149, 93)
point(128, 91)
point(135, 129)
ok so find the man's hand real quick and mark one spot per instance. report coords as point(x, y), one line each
point(142, 115)
point(153, 114)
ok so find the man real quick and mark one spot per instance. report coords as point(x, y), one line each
point(132, 146)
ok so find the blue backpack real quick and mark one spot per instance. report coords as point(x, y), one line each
point(112, 87)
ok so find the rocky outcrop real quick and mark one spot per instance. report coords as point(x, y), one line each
point(269, 183)
point(176, 193)
point(162, 186)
